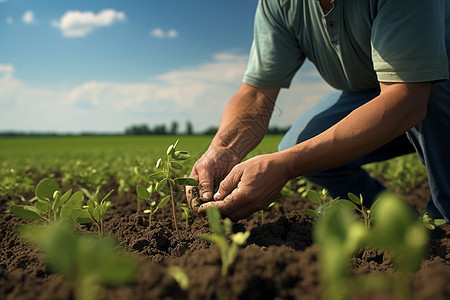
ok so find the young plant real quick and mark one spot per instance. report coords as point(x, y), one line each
point(186, 212)
point(431, 223)
point(398, 231)
point(88, 262)
point(50, 204)
point(179, 275)
point(220, 232)
point(145, 194)
point(166, 168)
point(94, 210)
point(340, 235)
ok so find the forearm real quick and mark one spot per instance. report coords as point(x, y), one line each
point(365, 129)
point(245, 120)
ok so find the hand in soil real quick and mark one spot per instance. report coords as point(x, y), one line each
point(208, 171)
point(249, 187)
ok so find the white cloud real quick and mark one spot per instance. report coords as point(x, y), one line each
point(9, 20)
point(28, 17)
point(159, 33)
point(197, 93)
point(79, 24)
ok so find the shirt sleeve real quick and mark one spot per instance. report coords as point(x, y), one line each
point(275, 55)
point(408, 41)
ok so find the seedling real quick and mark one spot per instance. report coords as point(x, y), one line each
point(398, 231)
point(340, 236)
point(431, 223)
point(88, 262)
point(186, 212)
point(269, 207)
point(164, 178)
point(221, 230)
point(146, 193)
point(94, 210)
point(50, 204)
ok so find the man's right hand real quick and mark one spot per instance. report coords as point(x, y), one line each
point(209, 170)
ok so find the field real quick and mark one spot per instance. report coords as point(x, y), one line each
point(280, 259)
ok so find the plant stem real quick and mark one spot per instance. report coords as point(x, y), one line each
point(173, 205)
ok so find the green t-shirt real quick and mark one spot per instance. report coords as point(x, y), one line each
point(355, 46)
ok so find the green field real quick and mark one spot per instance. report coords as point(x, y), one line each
point(90, 161)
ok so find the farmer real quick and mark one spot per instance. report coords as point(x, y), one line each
point(388, 58)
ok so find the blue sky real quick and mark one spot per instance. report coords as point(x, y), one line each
point(72, 66)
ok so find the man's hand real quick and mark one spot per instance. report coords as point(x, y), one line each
point(209, 170)
point(250, 186)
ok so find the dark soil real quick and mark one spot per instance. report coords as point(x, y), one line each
point(279, 261)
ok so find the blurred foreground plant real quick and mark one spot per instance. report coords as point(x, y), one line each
point(396, 230)
point(227, 242)
point(86, 261)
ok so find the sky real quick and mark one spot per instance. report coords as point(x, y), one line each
point(103, 65)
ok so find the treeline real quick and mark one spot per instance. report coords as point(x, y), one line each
point(139, 129)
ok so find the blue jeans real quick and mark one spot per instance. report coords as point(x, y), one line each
point(430, 139)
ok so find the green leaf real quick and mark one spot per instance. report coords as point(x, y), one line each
point(240, 237)
point(142, 192)
point(156, 176)
point(161, 185)
point(107, 195)
point(163, 202)
point(439, 222)
point(61, 200)
point(185, 181)
point(45, 189)
point(175, 165)
point(345, 204)
point(74, 202)
point(81, 216)
point(158, 163)
point(312, 213)
point(170, 150)
point(214, 217)
point(179, 275)
point(355, 199)
point(25, 211)
point(42, 206)
point(314, 196)
point(181, 155)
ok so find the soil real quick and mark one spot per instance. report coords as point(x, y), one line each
point(279, 260)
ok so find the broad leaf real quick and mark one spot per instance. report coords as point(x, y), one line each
point(181, 155)
point(25, 211)
point(175, 165)
point(156, 176)
point(161, 185)
point(185, 181)
point(74, 202)
point(81, 216)
point(314, 196)
point(163, 201)
point(142, 192)
point(46, 188)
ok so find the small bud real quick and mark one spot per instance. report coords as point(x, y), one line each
point(158, 163)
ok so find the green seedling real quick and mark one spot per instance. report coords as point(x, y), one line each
point(339, 235)
point(94, 210)
point(146, 193)
point(395, 229)
point(222, 235)
point(163, 177)
point(431, 223)
point(50, 203)
point(269, 207)
point(88, 262)
point(323, 200)
point(179, 275)
point(186, 215)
